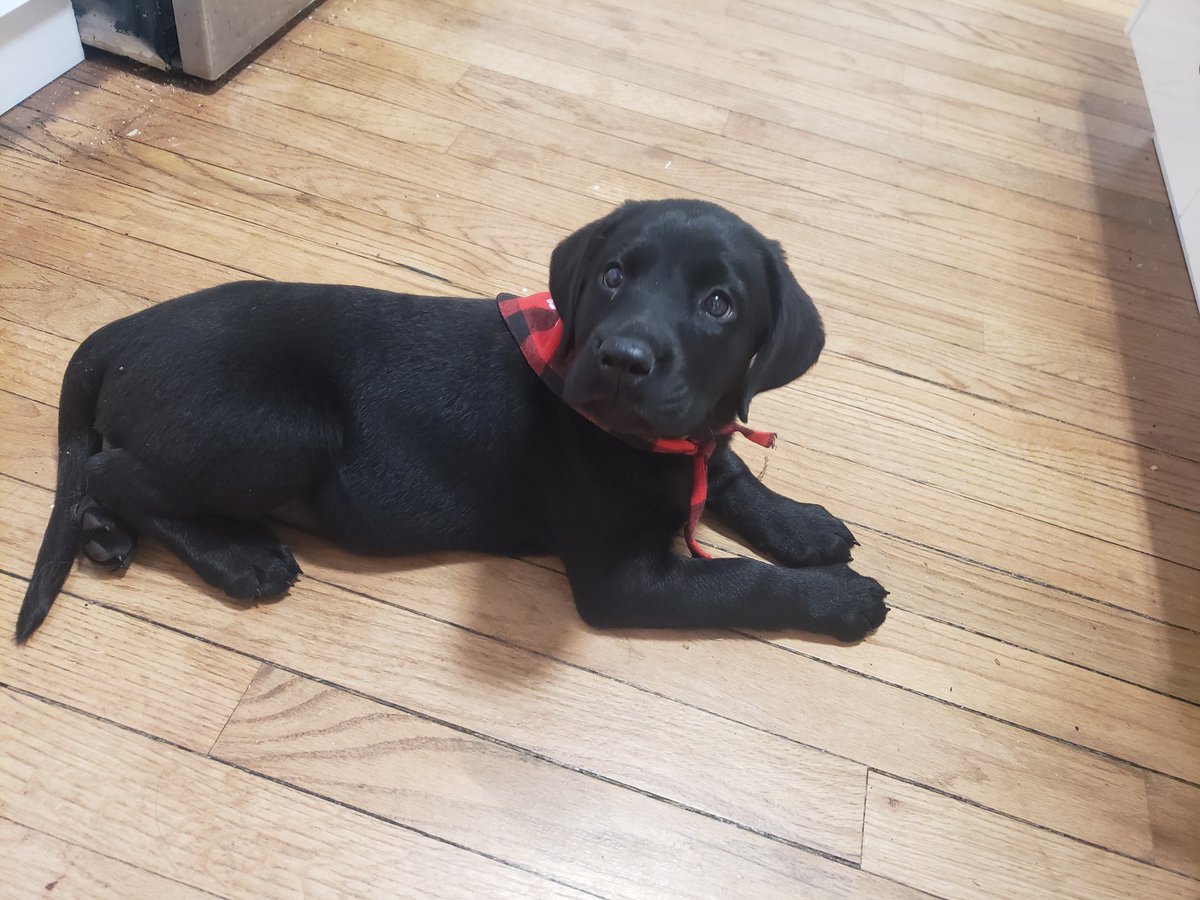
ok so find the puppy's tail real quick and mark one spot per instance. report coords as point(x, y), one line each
point(77, 440)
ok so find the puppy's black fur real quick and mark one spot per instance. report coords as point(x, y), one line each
point(402, 425)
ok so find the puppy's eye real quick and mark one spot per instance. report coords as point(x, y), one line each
point(717, 304)
point(612, 277)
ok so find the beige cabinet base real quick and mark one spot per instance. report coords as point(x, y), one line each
point(214, 35)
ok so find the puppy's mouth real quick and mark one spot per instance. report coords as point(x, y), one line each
point(621, 419)
point(622, 413)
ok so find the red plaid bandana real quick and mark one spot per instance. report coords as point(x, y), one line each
point(537, 328)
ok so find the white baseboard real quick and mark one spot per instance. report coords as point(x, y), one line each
point(38, 42)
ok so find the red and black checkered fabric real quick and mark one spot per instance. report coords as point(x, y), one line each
point(537, 328)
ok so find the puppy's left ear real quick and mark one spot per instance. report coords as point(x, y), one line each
point(795, 338)
point(574, 261)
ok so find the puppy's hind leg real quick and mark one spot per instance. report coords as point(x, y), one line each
point(244, 559)
point(107, 540)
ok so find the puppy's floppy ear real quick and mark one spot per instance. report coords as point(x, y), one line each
point(573, 262)
point(795, 338)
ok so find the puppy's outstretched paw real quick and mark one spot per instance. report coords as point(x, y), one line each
point(815, 537)
point(853, 606)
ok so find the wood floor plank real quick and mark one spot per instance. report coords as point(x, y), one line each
point(1049, 622)
point(795, 60)
point(606, 839)
point(1060, 71)
point(271, 112)
point(790, 139)
point(1036, 439)
point(1142, 423)
point(97, 255)
point(1096, 102)
point(126, 671)
point(451, 263)
point(30, 355)
point(1067, 118)
point(1104, 13)
point(212, 235)
point(35, 864)
point(456, 44)
point(185, 817)
point(1056, 16)
point(52, 301)
point(1015, 685)
point(1067, 355)
point(934, 843)
point(246, 168)
point(991, 32)
point(29, 450)
point(790, 59)
point(805, 56)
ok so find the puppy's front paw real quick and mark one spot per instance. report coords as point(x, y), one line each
point(815, 537)
point(850, 605)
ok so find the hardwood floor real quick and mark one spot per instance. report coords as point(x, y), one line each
point(1006, 413)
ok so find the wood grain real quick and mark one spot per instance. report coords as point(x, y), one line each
point(127, 671)
point(216, 828)
point(980, 854)
point(38, 865)
point(508, 804)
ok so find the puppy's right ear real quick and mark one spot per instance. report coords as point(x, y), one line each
point(574, 262)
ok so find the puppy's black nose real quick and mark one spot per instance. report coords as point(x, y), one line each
point(624, 356)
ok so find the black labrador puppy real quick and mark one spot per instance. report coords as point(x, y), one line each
point(594, 425)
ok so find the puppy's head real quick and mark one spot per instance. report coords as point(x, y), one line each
point(675, 314)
